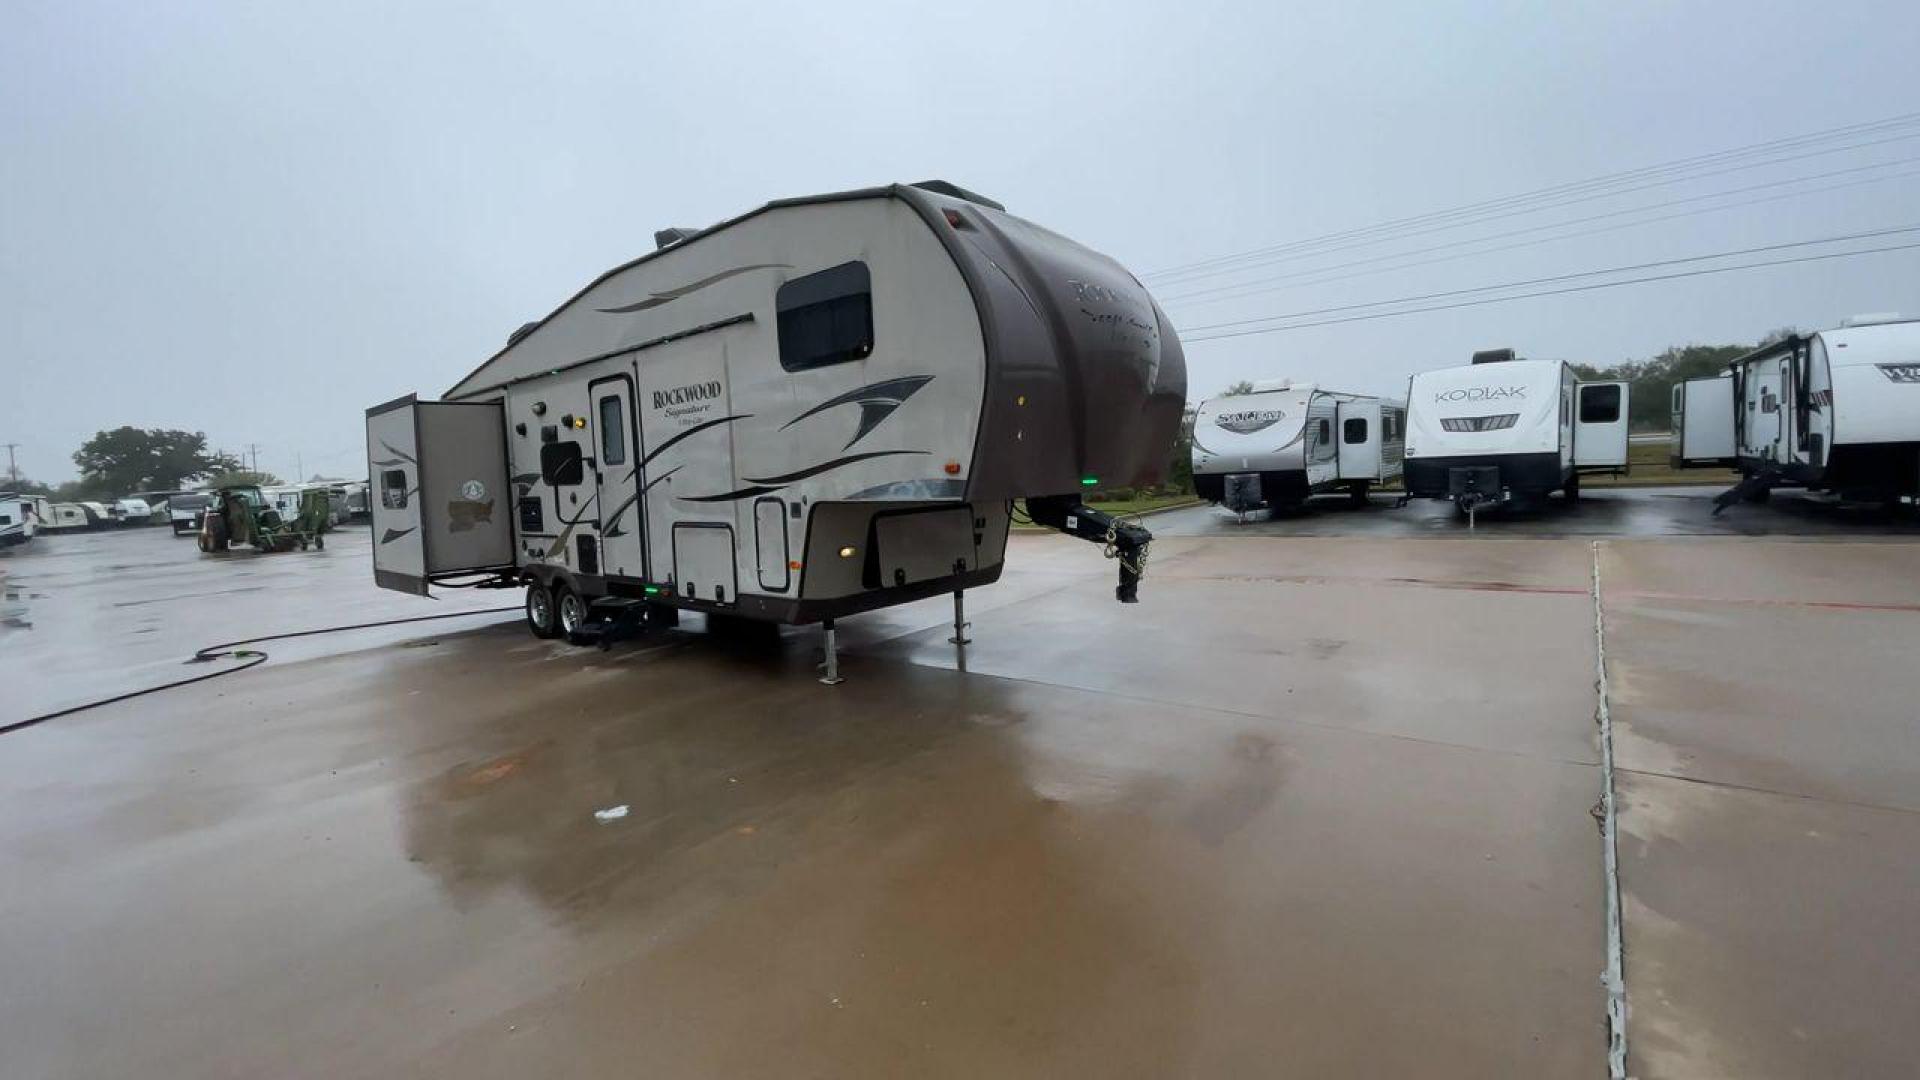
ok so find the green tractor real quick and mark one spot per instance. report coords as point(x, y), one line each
point(242, 514)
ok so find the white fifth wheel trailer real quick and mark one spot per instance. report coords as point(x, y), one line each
point(1701, 435)
point(824, 406)
point(1503, 429)
point(1286, 441)
point(1837, 410)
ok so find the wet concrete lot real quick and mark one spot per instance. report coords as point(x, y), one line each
point(1317, 806)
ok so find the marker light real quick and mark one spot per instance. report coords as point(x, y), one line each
point(847, 552)
point(1089, 481)
point(953, 468)
point(651, 590)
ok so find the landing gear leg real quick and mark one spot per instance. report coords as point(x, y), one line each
point(830, 671)
point(960, 622)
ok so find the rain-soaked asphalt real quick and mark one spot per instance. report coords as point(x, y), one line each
point(1314, 807)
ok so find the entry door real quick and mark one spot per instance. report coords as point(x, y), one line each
point(1358, 426)
point(1763, 410)
point(623, 528)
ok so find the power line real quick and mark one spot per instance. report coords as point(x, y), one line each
point(1637, 179)
point(1216, 293)
point(1550, 292)
point(1568, 277)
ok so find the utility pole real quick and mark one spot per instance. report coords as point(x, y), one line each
point(13, 472)
point(253, 456)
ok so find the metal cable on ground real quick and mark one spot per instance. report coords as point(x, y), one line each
point(252, 658)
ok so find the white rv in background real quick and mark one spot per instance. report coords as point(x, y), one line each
point(822, 407)
point(1701, 435)
point(21, 518)
point(1502, 429)
point(1837, 411)
point(78, 517)
point(1287, 441)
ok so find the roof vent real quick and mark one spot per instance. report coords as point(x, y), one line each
point(955, 191)
point(1493, 356)
point(668, 237)
point(525, 329)
point(1876, 318)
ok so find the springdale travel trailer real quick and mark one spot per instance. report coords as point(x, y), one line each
point(825, 406)
point(1836, 411)
point(1701, 431)
point(1503, 429)
point(1286, 441)
point(78, 517)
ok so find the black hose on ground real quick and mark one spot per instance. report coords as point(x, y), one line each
point(252, 658)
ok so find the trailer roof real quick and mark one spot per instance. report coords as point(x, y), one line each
point(893, 191)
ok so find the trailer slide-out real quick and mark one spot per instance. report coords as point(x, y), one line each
point(825, 406)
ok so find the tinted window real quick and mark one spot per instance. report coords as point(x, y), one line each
point(1599, 404)
point(1326, 432)
point(613, 432)
point(393, 489)
point(826, 318)
point(1354, 430)
point(188, 502)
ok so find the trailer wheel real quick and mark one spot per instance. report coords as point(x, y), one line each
point(540, 613)
point(1359, 493)
point(1573, 488)
point(572, 610)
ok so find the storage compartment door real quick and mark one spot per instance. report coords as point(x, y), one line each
point(1357, 424)
point(1600, 425)
point(703, 563)
point(922, 545)
point(393, 452)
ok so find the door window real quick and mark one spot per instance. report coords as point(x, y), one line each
point(1354, 430)
point(613, 434)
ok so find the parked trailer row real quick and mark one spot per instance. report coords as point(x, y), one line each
point(825, 406)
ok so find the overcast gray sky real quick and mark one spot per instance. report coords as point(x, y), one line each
point(257, 219)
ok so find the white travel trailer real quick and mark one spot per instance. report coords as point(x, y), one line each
point(21, 517)
point(78, 517)
point(1837, 410)
point(1286, 441)
point(824, 406)
point(1701, 435)
point(1503, 430)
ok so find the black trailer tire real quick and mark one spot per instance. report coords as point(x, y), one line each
point(541, 619)
point(1572, 490)
point(1360, 493)
point(319, 542)
point(570, 611)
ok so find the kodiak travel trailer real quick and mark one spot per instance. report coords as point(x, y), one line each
point(1503, 430)
point(824, 406)
point(1836, 411)
point(1286, 441)
point(1701, 427)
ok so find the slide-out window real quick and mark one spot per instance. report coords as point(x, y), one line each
point(826, 317)
point(1599, 404)
point(1354, 430)
point(613, 433)
point(393, 489)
